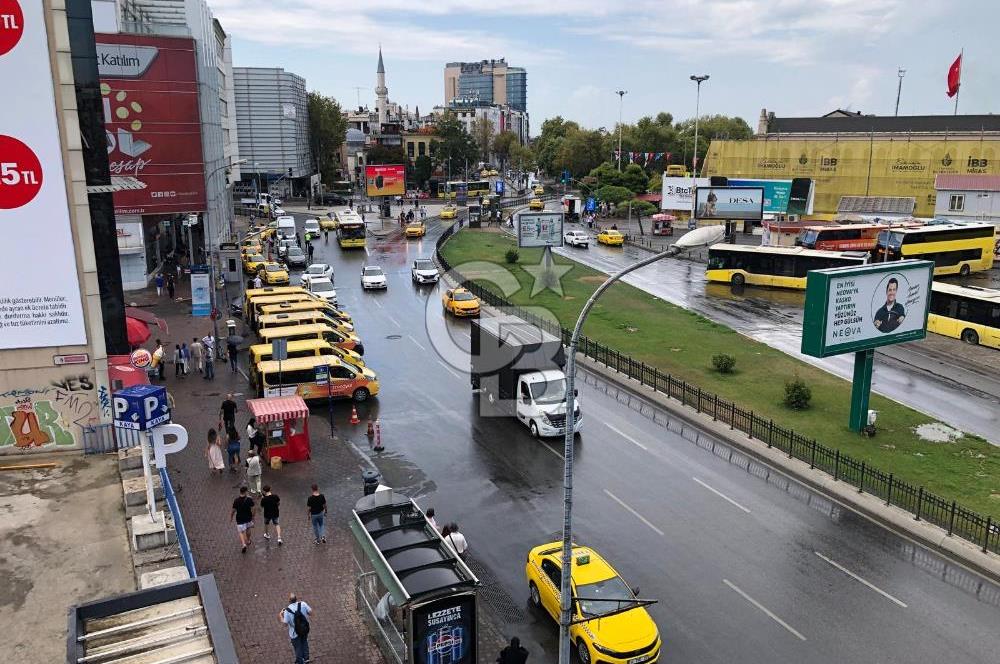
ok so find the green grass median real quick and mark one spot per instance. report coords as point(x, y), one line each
point(682, 343)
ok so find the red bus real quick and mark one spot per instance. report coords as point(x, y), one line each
point(840, 237)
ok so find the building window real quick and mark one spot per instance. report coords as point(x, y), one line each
point(956, 203)
point(409, 149)
point(422, 149)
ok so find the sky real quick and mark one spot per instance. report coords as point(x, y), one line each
point(793, 57)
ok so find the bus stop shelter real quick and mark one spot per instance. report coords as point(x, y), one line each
point(416, 594)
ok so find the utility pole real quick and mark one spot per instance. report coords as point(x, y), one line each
point(621, 100)
point(899, 89)
point(694, 157)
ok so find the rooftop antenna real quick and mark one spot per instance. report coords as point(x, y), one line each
point(358, 89)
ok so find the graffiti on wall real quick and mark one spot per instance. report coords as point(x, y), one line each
point(48, 416)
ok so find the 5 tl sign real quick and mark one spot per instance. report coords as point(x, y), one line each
point(11, 25)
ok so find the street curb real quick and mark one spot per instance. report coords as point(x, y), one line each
point(898, 521)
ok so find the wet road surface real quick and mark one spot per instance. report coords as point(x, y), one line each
point(747, 565)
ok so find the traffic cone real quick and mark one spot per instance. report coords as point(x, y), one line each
point(354, 415)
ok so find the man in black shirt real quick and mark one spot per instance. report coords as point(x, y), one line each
point(316, 508)
point(269, 505)
point(227, 412)
point(892, 314)
point(243, 514)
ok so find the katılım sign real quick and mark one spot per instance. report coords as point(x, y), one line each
point(856, 308)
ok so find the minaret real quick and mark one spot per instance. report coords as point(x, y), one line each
point(381, 92)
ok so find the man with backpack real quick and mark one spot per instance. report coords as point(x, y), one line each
point(296, 617)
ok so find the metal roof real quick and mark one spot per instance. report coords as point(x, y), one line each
point(877, 204)
point(511, 327)
point(948, 181)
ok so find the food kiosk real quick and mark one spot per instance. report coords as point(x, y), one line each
point(284, 421)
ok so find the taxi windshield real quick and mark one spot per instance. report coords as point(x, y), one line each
point(274, 268)
point(596, 599)
point(464, 297)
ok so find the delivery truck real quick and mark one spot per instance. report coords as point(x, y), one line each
point(518, 368)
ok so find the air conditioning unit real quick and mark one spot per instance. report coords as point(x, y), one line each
point(793, 218)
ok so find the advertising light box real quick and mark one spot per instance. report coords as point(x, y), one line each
point(540, 229)
point(857, 308)
point(730, 203)
point(385, 180)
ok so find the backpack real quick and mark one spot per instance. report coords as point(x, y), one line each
point(300, 622)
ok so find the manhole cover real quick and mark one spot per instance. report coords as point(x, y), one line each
point(394, 337)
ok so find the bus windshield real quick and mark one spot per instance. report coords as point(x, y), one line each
point(809, 237)
point(894, 240)
point(352, 231)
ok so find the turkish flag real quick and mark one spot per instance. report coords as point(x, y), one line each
point(955, 76)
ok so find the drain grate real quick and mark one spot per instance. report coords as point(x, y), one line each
point(494, 595)
point(394, 337)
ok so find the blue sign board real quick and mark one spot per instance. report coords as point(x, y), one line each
point(322, 374)
point(591, 204)
point(462, 194)
point(201, 291)
point(140, 407)
point(777, 193)
point(498, 185)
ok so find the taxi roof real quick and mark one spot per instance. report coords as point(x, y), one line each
point(598, 569)
point(295, 363)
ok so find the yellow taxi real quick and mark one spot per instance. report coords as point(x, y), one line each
point(415, 229)
point(327, 224)
point(253, 262)
point(494, 172)
point(273, 274)
point(617, 631)
point(539, 190)
point(610, 237)
point(449, 212)
point(536, 204)
point(460, 302)
point(251, 248)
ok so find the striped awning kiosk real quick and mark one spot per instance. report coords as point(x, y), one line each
point(284, 421)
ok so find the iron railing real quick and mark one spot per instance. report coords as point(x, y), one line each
point(105, 438)
point(983, 531)
point(175, 511)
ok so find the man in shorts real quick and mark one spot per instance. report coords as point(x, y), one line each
point(243, 508)
point(269, 505)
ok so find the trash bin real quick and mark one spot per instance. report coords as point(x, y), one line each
point(231, 328)
point(371, 479)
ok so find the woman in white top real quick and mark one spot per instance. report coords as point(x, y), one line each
point(455, 539)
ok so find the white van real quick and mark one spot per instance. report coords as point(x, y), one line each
point(286, 227)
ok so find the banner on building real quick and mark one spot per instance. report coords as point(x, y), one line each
point(730, 203)
point(40, 298)
point(677, 192)
point(149, 90)
point(385, 180)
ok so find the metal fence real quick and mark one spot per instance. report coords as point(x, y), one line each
point(105, 438)
point(981, 530)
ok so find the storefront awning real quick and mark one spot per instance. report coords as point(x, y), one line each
point(276, 409)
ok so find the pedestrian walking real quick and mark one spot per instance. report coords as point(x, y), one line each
point(456, 539)
point(255, 438)
point(296, 617)
point(233, 449)
point(233, 351)
point(515, 653)
point(316, 507)
point(213, 452)
point(254, 471)
point(309, 250)
point(185, 358)
point(269, 504)
point(159, 284)
point(209, 342)
point(159, 360)
point(198, 354)
point(326, 236)
point(257, 282)
point(178, 361)
point(227, 413)
point(242, 513)
point(171, 284)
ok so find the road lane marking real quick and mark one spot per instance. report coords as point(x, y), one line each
point(627, 437)
point(722, 495)
point(448, 369)
point(546, 446)
point(394, 321)
point(860, 580)
point(367, 252)
point(377, 304)
point(634, 513)
point(763, 608)
point(416, 342)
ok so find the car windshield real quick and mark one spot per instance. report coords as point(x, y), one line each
point(257, 258)
point(550, 391)
point(295, 251)
point(316, 269)
point(274, 268)
point(423, 265)
point(373, 272)
point(321, 286)
point(464, 297)
point(596, 599)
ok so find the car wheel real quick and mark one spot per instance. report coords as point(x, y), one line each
point(965, 270)
point(738, 280)
point(361, 394)
point(582, 654)
point(536, 599)
point(970, 337)
point(533, 428)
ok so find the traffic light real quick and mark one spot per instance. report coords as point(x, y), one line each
point(289, 172)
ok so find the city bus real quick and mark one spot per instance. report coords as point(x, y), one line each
point(969, 313)
point(473, 189)
point(299, 377)
point(351, 230)
point(840, 237)
point(954, 248)
point(780, 267)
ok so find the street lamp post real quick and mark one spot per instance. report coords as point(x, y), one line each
point(694, 157)
point(698, 238)
point(621, 101)
point(899, 89)
point(208, 254)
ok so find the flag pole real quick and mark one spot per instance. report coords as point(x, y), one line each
point(961, 60)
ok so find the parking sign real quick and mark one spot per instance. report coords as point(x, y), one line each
point(140, 407)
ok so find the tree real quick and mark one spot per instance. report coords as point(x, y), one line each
point(579, 152)
point(549, 142)
point(482, 134)
point(423, 167)
point(709, 127)
point(635, 178)
point(522, 158)
point(502, 145)
point(327, 128)
point(455, 145)
point(614, 194)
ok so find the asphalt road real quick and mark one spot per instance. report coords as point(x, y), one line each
point(746, 565)
point(941, 377)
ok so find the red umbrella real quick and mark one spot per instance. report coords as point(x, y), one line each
point(138, 332)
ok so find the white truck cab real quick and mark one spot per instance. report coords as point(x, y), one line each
point(541, 403)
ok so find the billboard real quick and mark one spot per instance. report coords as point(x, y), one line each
point(856, 308)
point(730, 203)
point(444, 630)
point(777, 193)
point(677, 192)
point(149, 89)
point(540, 229)
point(40, 295)
point(385, 180)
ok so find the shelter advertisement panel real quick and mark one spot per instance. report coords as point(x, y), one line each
point(201, 291)
point(149, 88)
point(444, 631)
point(385, 180)
point(40, 293)
point(857, 308)
point(540, 229)
point(730, 203)
point(677, 192)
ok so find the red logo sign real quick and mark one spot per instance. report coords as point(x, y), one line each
point(141, 358)
point(20, 173)
point(11, 25)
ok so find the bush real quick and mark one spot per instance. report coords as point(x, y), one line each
point(511, 256)
point(797, 394)
point(724, 363)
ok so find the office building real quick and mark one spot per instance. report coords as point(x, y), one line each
point(487, 82)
